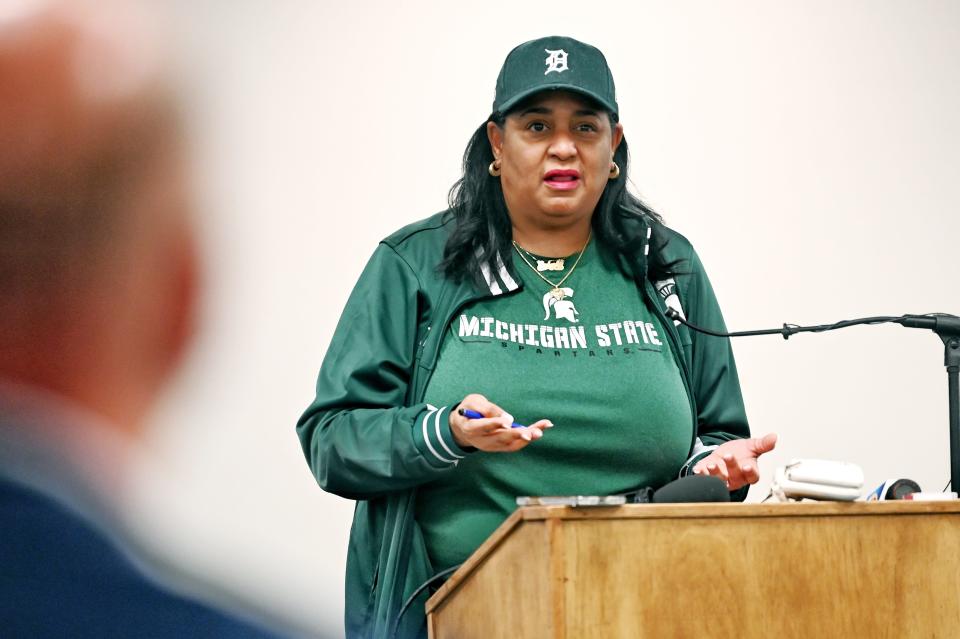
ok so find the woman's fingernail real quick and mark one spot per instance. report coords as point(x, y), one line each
point(549, 424)
point(525, 435)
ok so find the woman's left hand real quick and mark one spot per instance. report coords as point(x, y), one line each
point(735, 461)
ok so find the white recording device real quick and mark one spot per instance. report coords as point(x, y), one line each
point(817, 479)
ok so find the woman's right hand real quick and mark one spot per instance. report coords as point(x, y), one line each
point(492, 433)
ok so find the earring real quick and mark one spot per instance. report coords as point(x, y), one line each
point(494, 168)
point(614, 170)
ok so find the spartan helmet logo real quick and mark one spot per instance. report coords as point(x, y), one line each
point(668, 291)
point(563, 308)
point(556, 61)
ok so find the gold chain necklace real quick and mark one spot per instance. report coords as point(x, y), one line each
point(556, 291)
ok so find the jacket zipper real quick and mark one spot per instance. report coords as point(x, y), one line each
point(678, 355)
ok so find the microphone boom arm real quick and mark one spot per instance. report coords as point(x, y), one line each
point(940, 323)
point(947, 327)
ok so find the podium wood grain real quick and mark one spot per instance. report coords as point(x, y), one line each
point(887, 569)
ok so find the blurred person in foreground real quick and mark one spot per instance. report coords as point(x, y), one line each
point(97, 289)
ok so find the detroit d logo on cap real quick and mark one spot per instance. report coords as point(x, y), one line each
point(556, 61)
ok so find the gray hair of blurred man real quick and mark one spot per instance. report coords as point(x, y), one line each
point(97, 264)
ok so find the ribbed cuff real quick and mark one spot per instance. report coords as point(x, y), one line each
point(432, 435)
point(687, 468)
point(699, 452)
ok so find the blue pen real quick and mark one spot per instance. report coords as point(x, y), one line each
point(472, 414)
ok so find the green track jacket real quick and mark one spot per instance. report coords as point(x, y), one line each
point(369, 436)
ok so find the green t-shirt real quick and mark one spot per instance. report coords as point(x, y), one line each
point(596, 363)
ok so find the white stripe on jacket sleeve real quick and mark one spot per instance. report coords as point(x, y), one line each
point(698, 450)
point(426, 438)
point(440, 437)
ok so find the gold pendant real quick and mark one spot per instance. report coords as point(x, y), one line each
point(550, 265)
point(558, 294)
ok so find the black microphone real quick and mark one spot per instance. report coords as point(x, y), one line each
point(940, 323)
point(692, 489)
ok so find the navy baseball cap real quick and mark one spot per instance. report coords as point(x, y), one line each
point(555, 63)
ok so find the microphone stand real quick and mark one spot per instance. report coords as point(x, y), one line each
point(947, 327)
point(951, 359)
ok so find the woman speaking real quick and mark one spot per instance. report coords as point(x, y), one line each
point(516, 344)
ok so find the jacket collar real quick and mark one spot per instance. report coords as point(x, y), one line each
point(499, 281)
point(496, 276)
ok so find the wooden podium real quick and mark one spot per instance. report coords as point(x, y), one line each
point(810, 570)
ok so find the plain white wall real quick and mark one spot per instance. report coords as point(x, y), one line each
point(810, 150)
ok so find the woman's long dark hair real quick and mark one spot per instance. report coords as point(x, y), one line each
point(483, 228)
